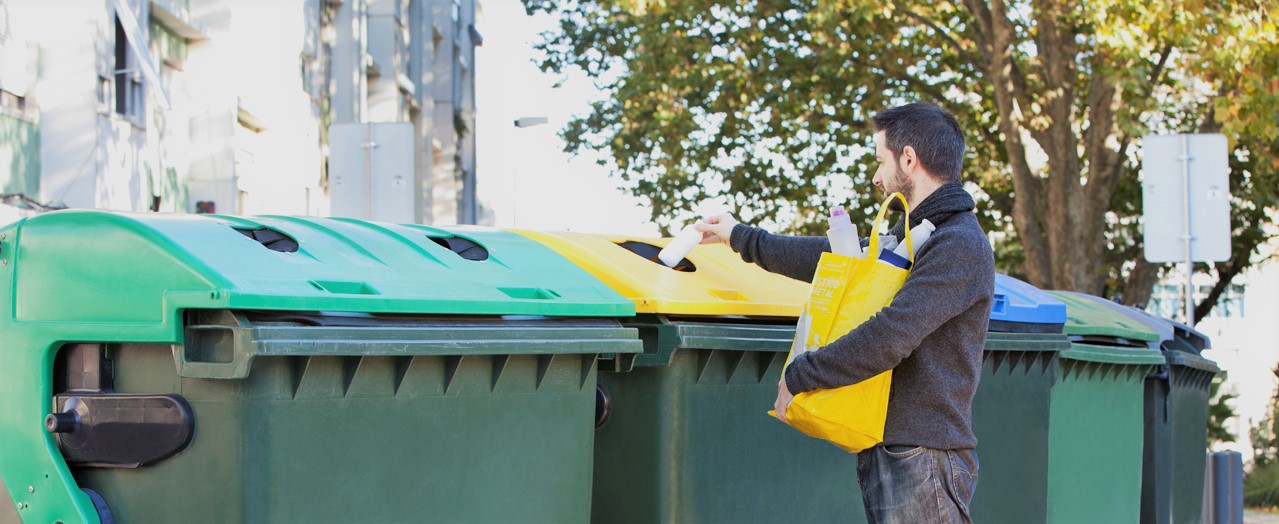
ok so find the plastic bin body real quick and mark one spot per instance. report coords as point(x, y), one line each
point(1011, 408)
point(1176, 434)
point(1096, 434)
point(356, 372)
point(1011, 413)
point(1115, 349)
point(688, 437)
point(368, 438)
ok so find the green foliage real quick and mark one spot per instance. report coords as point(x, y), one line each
point(1219, 411)
point(1261, 483)
point(765, 104)
point(1261, 486)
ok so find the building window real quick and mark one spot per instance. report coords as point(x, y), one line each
point(130, 99)
point(13, 103)
point(1168, 301)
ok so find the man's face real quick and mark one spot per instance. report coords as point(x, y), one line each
point(889, 176)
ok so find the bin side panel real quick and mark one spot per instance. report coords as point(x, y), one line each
point(1095, 446)
point(1156, 462)
point(690, 443)
point(1188, 404)
point(1010, 419)
point(489, 438)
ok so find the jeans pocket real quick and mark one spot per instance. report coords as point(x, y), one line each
point(902, 452)
point(963, 480)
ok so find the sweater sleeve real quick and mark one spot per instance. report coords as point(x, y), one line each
point(950, 276)
point(795, 257)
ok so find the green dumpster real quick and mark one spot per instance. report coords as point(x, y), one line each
point(684, 433)
point(1011, 408)
point(1096, 430)
point(1176, 434)
point(276, 369)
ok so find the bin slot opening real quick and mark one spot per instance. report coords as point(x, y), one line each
point(1106, 340)
point(271, 239)
point(649, 252)
point(529, 293)
point(344, 288)
point(464, 248)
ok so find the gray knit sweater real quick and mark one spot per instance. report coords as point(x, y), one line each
point(931, 334)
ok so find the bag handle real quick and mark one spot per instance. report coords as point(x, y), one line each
point(879, 219)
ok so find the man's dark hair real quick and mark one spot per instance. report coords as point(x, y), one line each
point(934, 133)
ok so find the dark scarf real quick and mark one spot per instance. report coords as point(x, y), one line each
point(946, 201)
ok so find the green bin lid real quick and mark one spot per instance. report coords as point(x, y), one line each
point(1113, 354)
point(1026, 342)
point(1097, 320)
point(116, 268)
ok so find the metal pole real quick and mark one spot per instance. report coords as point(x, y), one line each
point(1185, 202)
point(368, 170)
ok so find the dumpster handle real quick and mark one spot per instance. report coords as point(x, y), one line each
point(603, 406)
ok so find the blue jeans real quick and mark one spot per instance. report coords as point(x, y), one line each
point(908, 485)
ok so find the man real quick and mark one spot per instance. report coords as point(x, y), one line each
point(931, 334)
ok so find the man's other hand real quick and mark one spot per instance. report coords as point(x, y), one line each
point(783, 401)
point(716, 228)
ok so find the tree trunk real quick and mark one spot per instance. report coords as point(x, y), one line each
point(995, 35)
point(1140, 282)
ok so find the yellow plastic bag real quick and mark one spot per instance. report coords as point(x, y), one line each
point(846, 292)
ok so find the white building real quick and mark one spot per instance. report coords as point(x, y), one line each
point(229, 106)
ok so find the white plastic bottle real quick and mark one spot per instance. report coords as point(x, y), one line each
point(842, 234)
point(918, 235)
point(685, 241)
point(886, 243)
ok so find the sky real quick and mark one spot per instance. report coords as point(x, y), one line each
point(523, 174)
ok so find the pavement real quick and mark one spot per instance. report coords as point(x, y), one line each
point(1257, 517)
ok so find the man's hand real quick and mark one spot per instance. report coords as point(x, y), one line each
point(783, 401)
point(716, 228)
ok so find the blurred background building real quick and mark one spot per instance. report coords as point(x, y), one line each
point(359, 108)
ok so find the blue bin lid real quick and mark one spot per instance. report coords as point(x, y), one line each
point(1019, 307)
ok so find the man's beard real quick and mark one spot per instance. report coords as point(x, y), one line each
point(904, 185)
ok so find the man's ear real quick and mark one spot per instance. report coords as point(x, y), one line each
point(909, 160)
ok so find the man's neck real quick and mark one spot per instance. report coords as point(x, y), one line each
point(923, 188)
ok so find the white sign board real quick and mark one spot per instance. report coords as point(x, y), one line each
point(1180, 175)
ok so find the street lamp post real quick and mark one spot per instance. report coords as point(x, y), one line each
point(522, 123)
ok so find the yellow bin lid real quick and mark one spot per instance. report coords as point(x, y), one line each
point(718, 283)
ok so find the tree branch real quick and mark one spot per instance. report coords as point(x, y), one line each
point(965, 54)
point(1233, 268)
point(926, 88)
point(1104, 178)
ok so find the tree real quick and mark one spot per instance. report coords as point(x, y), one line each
point(766, 104)
point(1219, 412)
point(1261, 483)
